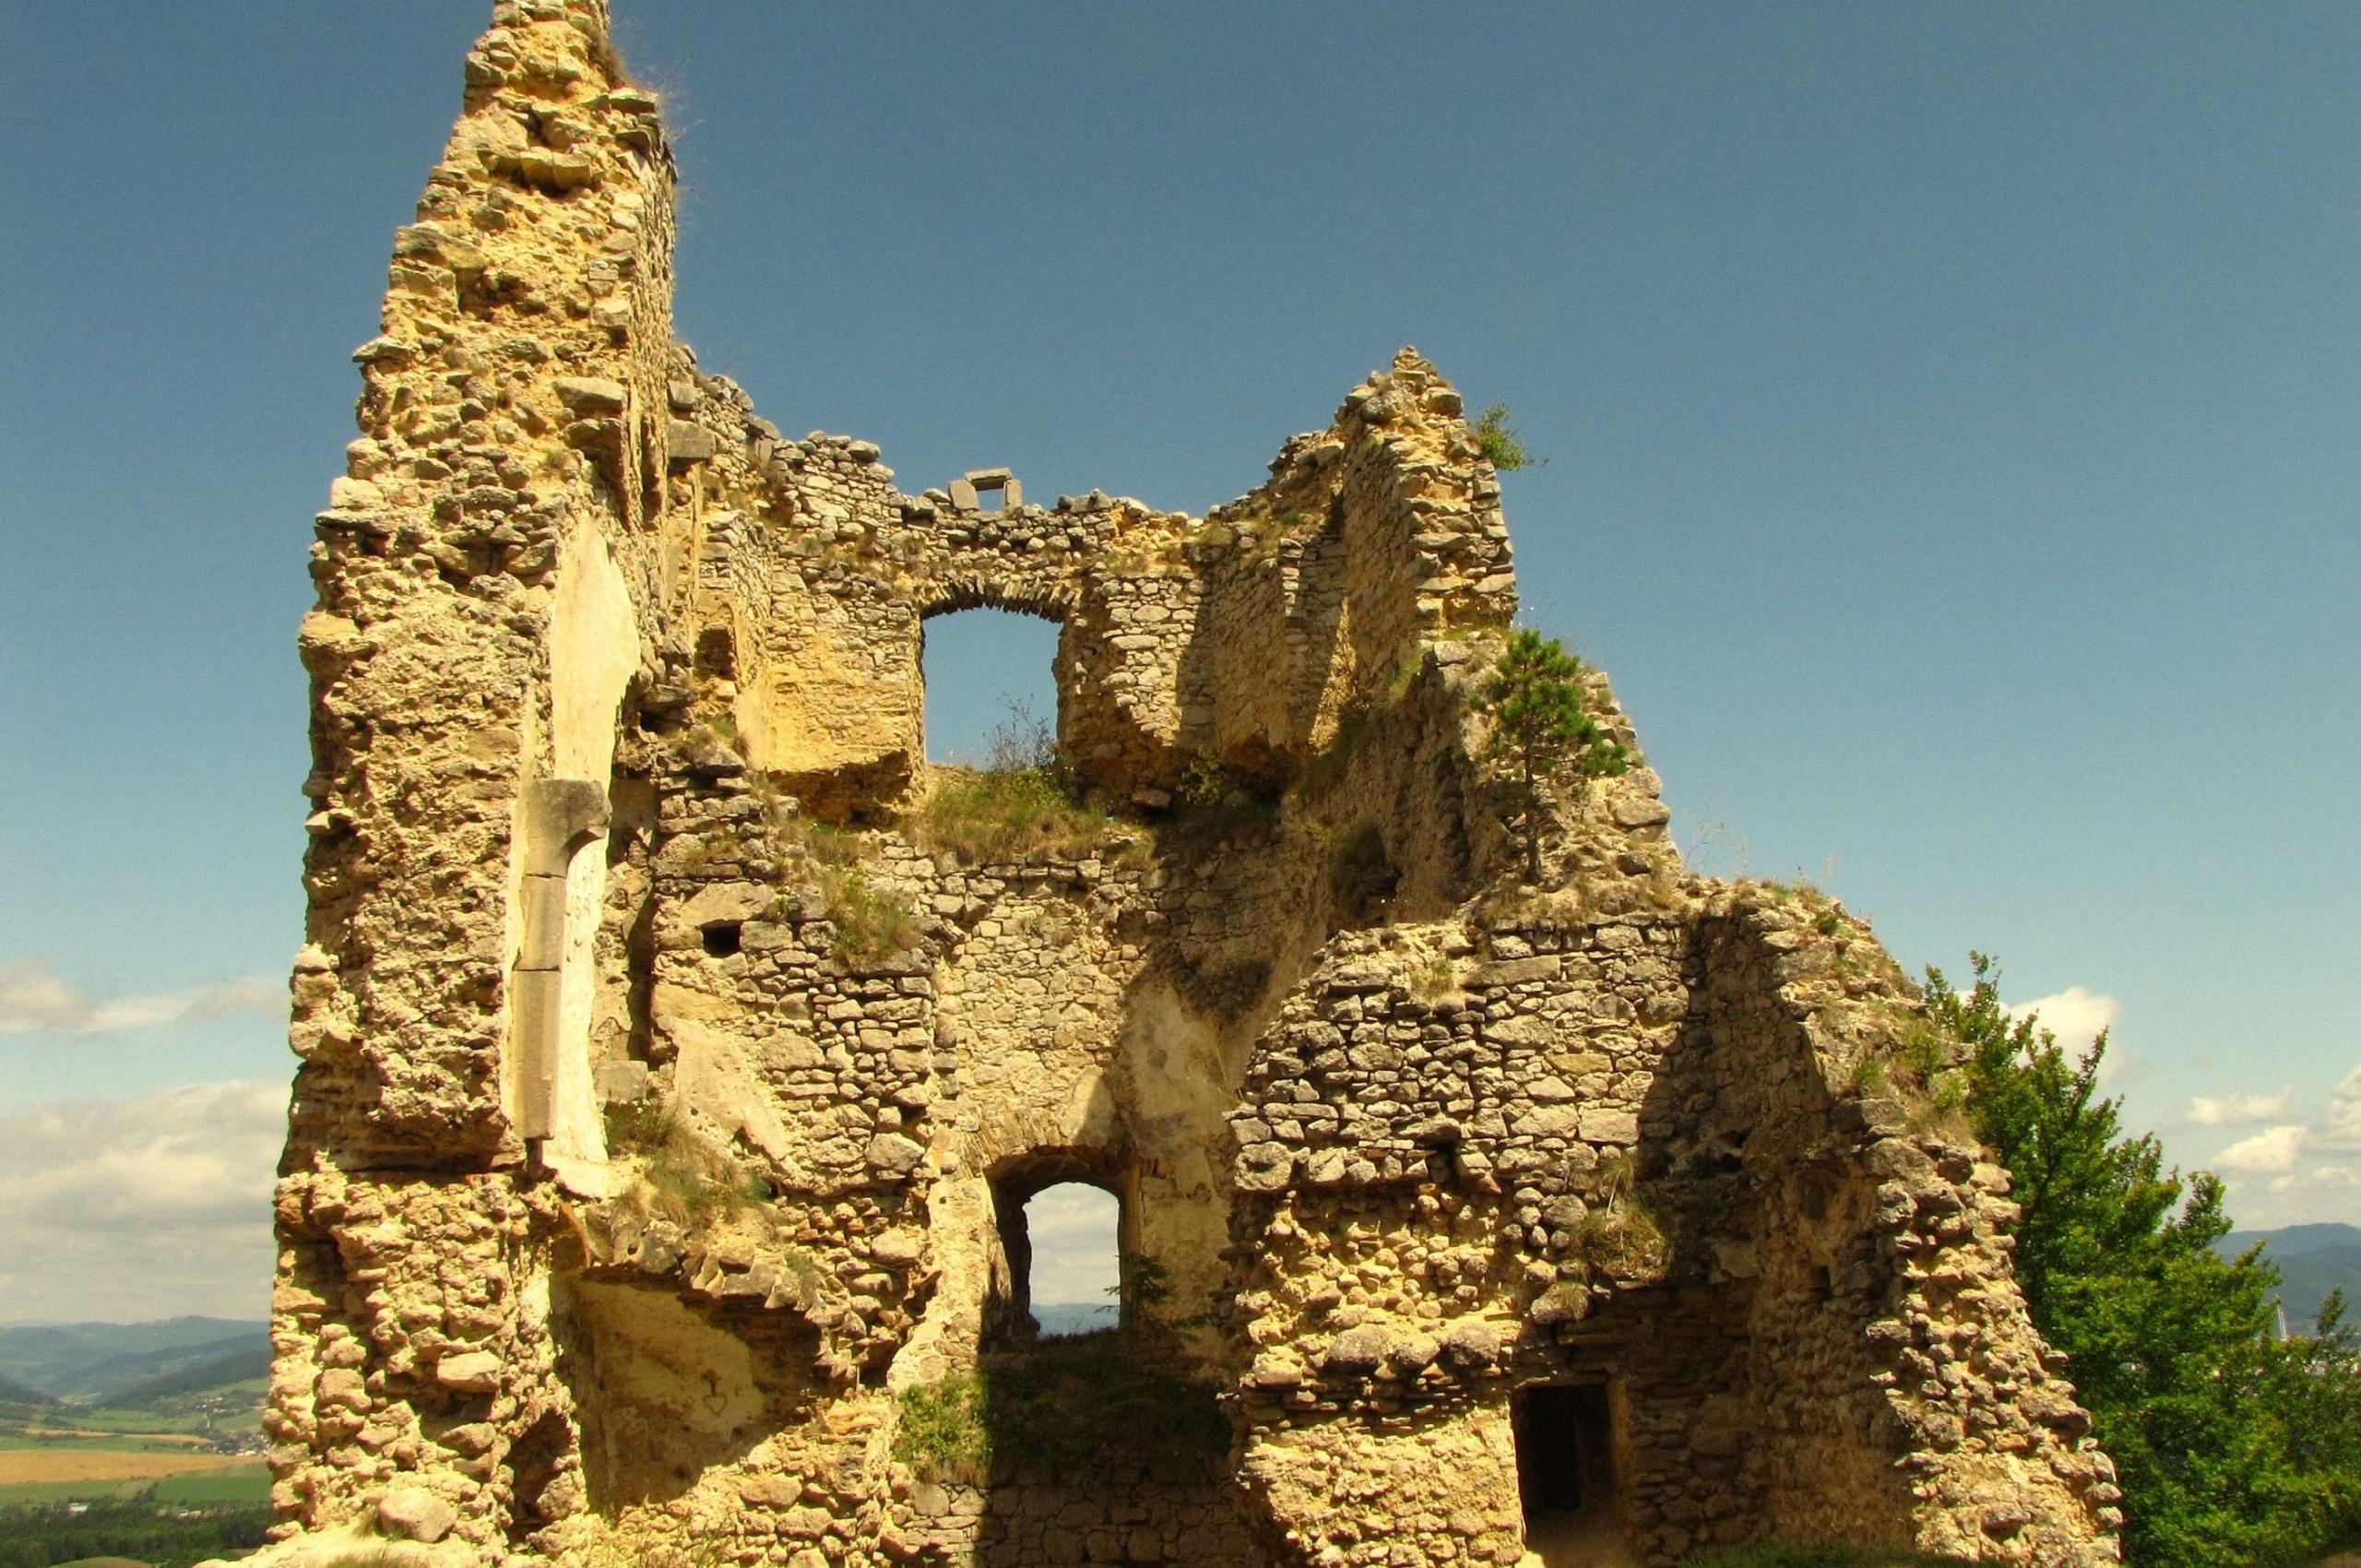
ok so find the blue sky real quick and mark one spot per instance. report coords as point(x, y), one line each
point(1950, 415)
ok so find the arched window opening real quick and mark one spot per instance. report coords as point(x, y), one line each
point(1063, 1242)
point(1078, 1258)
point(992, 698)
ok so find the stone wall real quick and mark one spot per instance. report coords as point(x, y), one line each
point(669, 1084)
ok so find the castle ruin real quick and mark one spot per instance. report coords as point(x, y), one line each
point(670, 1090)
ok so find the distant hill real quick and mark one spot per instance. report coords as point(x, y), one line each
point(241, 1366)
point(17, 1394)
point(2312, 1259)
point(85, 1362)
point(1058, 1318)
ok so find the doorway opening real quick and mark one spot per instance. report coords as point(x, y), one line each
point(992, 694)
point(1566, 1473)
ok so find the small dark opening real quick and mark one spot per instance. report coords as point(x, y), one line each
point(718, 653)
point(1565, 1461)
point(721, 941)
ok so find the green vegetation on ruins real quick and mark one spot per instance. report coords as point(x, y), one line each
point(1501, 448)
point(683, 1178)
point(1542, 731)
point(1019, 803)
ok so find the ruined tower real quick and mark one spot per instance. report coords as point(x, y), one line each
point(677, 1055)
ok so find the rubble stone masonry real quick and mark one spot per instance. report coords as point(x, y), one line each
point(667, 1094)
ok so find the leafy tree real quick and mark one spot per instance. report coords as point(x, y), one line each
point(1540, 729)
point(1499, 443)
point(2234, 1450)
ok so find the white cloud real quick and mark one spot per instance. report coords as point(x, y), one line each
point(2331, 1180)
point(35, 997)
point(153, 1207)
point(2340, 1129)
point(2074, 1014)
point(2268, 1152)
point(2238, 1109)
point(1072, 1229)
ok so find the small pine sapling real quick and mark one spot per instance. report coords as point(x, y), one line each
point(1541, 729)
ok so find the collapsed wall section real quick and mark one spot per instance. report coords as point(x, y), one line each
point(1621, 1148)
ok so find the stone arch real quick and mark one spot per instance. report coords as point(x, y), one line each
point(1050, 602)
point(961, 594)
point(1081, 714)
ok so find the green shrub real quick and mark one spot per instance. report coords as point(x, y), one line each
point(1205, 782)
point(1214, 806)
point(824, 843)
point(1622, 1242)
point(1436, 977)
point(943, 1425)
point(983, 816)
point(870, 925)
point(1501, 445)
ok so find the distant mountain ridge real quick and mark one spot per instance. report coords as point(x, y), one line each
point(2312, 1261)
point(17, 1394)
point(1059, 1318)
point(245, 1365)
point(90, 1362)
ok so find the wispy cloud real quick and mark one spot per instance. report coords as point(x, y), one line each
point(152, 1207)
point(2238, 1109)
point(35, 998)
point(2340, 1130)
point(2076, 1016)
point(2270, 1152)
point(2334, 1183)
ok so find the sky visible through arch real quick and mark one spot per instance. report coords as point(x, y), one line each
point(986, 671)
point(1076, 1263)
point(1950, 419)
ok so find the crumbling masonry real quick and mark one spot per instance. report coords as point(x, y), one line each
point(667, 1092)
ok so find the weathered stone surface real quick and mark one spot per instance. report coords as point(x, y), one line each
point(413, 1514)
point(475, 1371)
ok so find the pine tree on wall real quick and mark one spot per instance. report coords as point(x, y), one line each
point(1541, 729)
